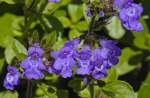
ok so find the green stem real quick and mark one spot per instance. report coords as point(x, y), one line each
point(91, 27)
point(29, 89)
point(92, 91)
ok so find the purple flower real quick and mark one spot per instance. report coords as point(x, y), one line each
point(94, 62)
point(89, 12)
point(86, 81)
point(121, 3)
point(135, 26)
point(35, 50)
point(33, 64)
point(130, 12)
point(130, 15)
point(109, 52)
point(33, 73)
point(62, 67)
point(99, 71)
point(101, 13)
point(12, 78)
point(64, 59)
point(53, 0)
point(84, 61)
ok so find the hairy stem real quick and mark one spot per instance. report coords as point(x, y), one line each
point(29, 89)
point(92, 91)
point(91, 27)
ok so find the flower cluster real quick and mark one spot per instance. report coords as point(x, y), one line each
point(90, 12)
point(87, 61)
point(64, 59)
point(33, 64)
point(129, 14)
point(12, 78)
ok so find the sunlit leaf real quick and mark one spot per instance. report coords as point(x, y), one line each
point(75, 12)
point(119, 89)
point(145, 88)
point(8, 94)
point(115, 28)
point(124, 66)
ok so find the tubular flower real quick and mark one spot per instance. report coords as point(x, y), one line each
point(12, 78)
point(84, 61)
point(130, 15)
point(64, 59)
point(94, 62)
point(33, 64)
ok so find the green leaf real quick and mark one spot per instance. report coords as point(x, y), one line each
point(82, 26)
point(6, 29)
point(49, 39)
point(87, 18)
point(8, 94)
point(76, 84)
point(145, 88)
point(9, 54)
point(8, 1)
point(9, 28)
point(85, 93)
point(74, 33)
point(119, 89)
point(62, 93)
point(60, 13)
point(49, 91)
point(28, 3)
point(52, 7)
point(115, 28)
point(58, 44)
point(19, 49)
point(1, 64)
point(54, 22)
point(142, 39)
point(112, 75)
point(39, 92)
point(75, 12)
point(65, 21)
point(124, 66)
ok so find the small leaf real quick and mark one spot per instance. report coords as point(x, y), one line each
point(145, 88)
point(142, 39)
point(8, 1)
point(75, 12)
point(112, 75)
point(74, 33)
point(82, 26)
point(58, 44)
point(115, 28)
point(76, 84)
point(8, 94)
point(6, 29)
point(54, 22)
point(65, 21)
point(119, 89)
point(1, 64)
point(124, 66)
point(49, 39)
point(85, 93)
point(9, 54)
point(19, 49)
